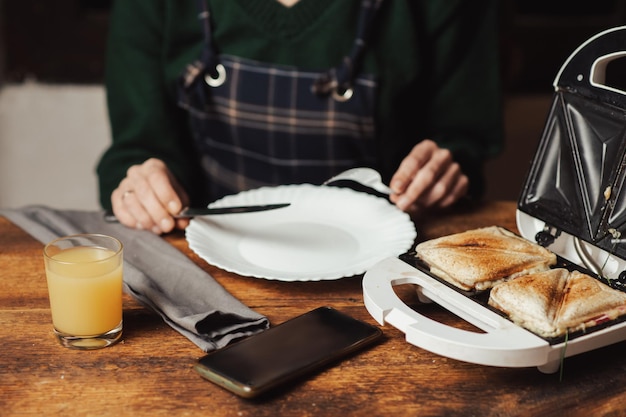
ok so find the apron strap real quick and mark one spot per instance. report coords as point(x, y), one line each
point(207, 65)
point(215, 74)
point(338, 80)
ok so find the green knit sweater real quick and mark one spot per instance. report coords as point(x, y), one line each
point(436, 63)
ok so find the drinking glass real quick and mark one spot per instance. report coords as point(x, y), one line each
point(84, 275)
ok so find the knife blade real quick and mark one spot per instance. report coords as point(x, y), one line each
point(193, 212)
point(190, 212)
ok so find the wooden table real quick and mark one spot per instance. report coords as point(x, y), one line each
point(150, 371)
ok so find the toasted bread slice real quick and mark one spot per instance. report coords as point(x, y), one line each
point(478, 259)
point(557, 301)
point(530, 300)
point(587, 302)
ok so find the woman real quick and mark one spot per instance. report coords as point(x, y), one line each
point(208, 98)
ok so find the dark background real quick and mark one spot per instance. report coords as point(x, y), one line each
point(63, 42)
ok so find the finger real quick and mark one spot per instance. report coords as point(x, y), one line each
point(142, 219)
point(182, 224)
point(132, 215)
point(168, 191)
point(148, 196)
point(160, 194)
point(442, 186)
point(170, 195)
point(411, 164)
point(425, 178)
point(143, 203)
point(161, 202)
point(121, 212)
point(125, 203)
point(460, 190)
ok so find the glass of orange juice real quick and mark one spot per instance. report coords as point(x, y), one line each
point(84, 274)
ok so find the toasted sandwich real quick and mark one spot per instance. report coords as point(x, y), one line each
point(478, 259)
point(554, 302)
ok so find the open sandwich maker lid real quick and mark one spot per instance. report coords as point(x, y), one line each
point(574, 199)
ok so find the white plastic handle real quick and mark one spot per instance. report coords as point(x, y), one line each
point(503, 343)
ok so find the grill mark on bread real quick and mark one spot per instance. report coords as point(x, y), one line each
point(478, 259)
point(553, 302)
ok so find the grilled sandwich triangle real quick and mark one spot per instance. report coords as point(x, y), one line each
point(478, 259)
point(557, 301)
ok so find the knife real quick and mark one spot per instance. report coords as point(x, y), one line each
point(190, 212)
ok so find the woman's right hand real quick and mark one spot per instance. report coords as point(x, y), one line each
point(428, 177)
point(148, 198)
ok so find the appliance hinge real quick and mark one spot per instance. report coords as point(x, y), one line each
point(547, 236)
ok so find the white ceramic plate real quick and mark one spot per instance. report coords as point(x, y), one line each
point(326, 233)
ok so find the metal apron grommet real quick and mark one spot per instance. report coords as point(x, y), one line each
point(343, 97)
point(219, 80)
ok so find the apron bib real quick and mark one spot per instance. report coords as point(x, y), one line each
point(257, 124)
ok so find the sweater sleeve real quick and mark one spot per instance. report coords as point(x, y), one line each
point(144, 118)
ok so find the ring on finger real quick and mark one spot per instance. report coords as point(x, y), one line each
point(127, 193)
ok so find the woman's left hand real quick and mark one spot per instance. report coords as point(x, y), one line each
point(428, 177)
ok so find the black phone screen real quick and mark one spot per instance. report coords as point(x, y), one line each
point(269, 358)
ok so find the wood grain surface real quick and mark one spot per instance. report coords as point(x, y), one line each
point(150, 371)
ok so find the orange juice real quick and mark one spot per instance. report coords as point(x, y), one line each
point(85, 288)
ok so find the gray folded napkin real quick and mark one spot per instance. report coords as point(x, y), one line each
point(156, 274)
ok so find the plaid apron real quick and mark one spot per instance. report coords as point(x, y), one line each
point(257, 124)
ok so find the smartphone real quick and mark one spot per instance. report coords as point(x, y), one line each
point(285, 352)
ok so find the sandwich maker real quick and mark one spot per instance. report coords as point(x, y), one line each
point(573, 202)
